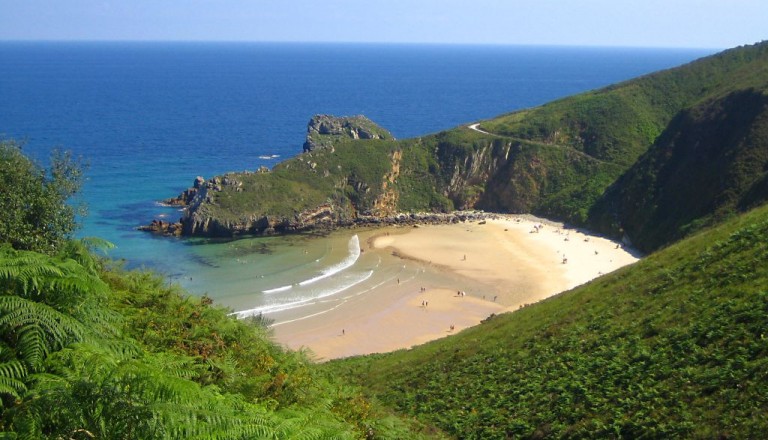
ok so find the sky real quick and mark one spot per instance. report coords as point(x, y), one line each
point(711, 24)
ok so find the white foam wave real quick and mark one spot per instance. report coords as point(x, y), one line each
point(277, 289)
point(354, 253)
point(272, 308)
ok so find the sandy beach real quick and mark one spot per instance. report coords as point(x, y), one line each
point(463, 273)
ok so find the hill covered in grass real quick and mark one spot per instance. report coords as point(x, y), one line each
point(674, 346)
point(563, 160)
point(710, 162)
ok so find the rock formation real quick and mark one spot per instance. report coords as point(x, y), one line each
point(324, 130)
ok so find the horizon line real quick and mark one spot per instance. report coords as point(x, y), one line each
point(370, 43)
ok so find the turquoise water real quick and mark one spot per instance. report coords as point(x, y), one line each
point(150, 117)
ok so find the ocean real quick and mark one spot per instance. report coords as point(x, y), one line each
point(150, 117)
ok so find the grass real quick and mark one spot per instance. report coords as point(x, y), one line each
point(672, 346)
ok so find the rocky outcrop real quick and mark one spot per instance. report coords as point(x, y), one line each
point(200, 222)
point(163, 228)
point(324, 130)
point(324, 218)
point(186, 197)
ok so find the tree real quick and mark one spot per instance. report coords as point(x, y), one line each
point(34, 214)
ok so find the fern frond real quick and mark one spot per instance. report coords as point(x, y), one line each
point(13, 369)
point(37, 327)
point(12, 375)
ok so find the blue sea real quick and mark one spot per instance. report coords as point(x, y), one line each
point(150, 117)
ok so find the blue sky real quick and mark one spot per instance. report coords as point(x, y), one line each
point(645, 23)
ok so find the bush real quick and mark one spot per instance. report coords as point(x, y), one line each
point(34, 214)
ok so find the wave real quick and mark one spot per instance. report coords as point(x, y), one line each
point(278, 289)
point(354, 253)
point(272, 308)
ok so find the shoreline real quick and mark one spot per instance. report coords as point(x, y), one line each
point(502, 263)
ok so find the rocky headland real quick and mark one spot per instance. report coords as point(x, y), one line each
point(610, 160)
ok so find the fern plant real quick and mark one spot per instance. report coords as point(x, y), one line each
point(48, 302)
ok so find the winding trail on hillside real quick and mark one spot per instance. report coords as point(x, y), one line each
point(476, 127)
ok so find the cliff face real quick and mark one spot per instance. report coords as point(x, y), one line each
point(563, 160)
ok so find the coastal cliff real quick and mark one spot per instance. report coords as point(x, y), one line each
point(572, 160)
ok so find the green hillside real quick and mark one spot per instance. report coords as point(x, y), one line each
point(673, 346)
point(711, 161)
point(563, 160)
point(617, 125)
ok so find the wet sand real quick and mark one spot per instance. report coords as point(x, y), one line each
point(500, 266)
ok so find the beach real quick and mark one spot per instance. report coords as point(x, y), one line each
point(458, 275)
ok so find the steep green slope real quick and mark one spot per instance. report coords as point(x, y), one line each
point(711, 161)
point(615, 126)
point(620, 122)
point(90, 351)
point(675, 345)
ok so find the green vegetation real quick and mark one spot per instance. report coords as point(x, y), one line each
point(307, 181)
point(710, 162)
point(616, 126)
point(89, 350)
point(673, 346)
point(33, 214)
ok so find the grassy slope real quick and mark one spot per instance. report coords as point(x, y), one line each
point(614, 126)
point(709, 162)
point(674, 345)
point(306, 181)
point(618, 123)
point(238, 360)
